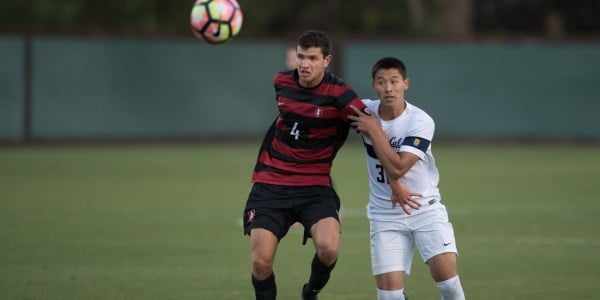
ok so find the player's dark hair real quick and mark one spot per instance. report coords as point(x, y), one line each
point(389, 63)
point(315, 38)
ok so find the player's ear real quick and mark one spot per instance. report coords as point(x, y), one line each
point(406, 83)
point(327, 60)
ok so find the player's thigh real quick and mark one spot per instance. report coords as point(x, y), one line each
point(326, 235)
point(391, 251)
point(264, 246)
point(326, 231)
point(434, 237)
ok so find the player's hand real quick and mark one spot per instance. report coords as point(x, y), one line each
point(404, 197)
point(362, 122)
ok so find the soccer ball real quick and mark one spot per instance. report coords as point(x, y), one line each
point(216, 21)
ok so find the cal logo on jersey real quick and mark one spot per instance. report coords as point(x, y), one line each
point(395, 142)
point(318, 112)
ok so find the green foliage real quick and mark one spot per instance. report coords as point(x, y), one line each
point(172, 17)
point(163, 222)
point(275, 17)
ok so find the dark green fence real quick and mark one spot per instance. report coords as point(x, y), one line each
point(525, 90)
point(161, 88)
point(137, 88)
point(12, 88)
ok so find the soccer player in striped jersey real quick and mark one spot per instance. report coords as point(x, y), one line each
point(402, 171)
point(291, 179)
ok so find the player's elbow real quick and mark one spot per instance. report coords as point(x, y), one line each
point(395, 173)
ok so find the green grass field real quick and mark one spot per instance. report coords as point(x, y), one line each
point(163, 222)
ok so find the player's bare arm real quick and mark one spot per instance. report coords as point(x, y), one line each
point(394, 164)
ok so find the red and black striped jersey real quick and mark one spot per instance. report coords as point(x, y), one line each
point(312, 125)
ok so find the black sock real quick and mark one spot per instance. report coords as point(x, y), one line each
point(319, 276)
point(265, 289)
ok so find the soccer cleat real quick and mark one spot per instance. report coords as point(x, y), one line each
point(306, 295)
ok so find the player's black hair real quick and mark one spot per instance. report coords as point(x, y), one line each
point(389, 63)
point(315, 38)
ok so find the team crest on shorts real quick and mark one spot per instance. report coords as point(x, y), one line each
point(251, 214)
point(416, 142)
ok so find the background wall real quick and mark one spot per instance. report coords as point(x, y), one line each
point(88, 88)
point(11, 87)
point(509, 90)
point(150, 88)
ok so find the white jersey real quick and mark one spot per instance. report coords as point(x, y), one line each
point(411, 132)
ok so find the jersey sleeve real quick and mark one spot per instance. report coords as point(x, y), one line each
point(347, 111)
point(419, 137)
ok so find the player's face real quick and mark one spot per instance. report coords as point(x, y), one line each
point(390, 86)
point(311, 65)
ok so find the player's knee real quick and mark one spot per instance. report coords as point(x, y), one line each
point(261, 267)
point(328, 254)
point(326, 237)
point(443, 266)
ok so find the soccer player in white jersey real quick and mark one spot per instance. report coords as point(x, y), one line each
point(405, 209)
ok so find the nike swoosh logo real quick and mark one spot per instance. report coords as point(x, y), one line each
point(446, 244)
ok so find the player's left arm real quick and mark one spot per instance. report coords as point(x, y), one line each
point(353, 105)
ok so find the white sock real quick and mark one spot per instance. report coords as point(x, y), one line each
point(390, 295)
point(451, 289)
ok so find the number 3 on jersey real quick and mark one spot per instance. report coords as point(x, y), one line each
point(295, 131)
point(381, 174)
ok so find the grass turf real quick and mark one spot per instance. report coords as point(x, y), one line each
point(163, 222)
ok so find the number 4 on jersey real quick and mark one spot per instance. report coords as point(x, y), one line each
point(295, 131)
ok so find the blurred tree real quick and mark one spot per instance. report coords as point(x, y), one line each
point(416, 10)
point(458, 19)
point(451, 19)
point(15, 15)
point(539, 18)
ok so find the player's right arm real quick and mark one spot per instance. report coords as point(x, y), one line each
point(395, 165)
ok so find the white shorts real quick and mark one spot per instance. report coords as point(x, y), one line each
point(393, 243)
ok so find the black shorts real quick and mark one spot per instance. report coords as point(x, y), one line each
point(277, 207)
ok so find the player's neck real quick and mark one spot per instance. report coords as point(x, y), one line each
point(390, 112)
point(312, 83)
